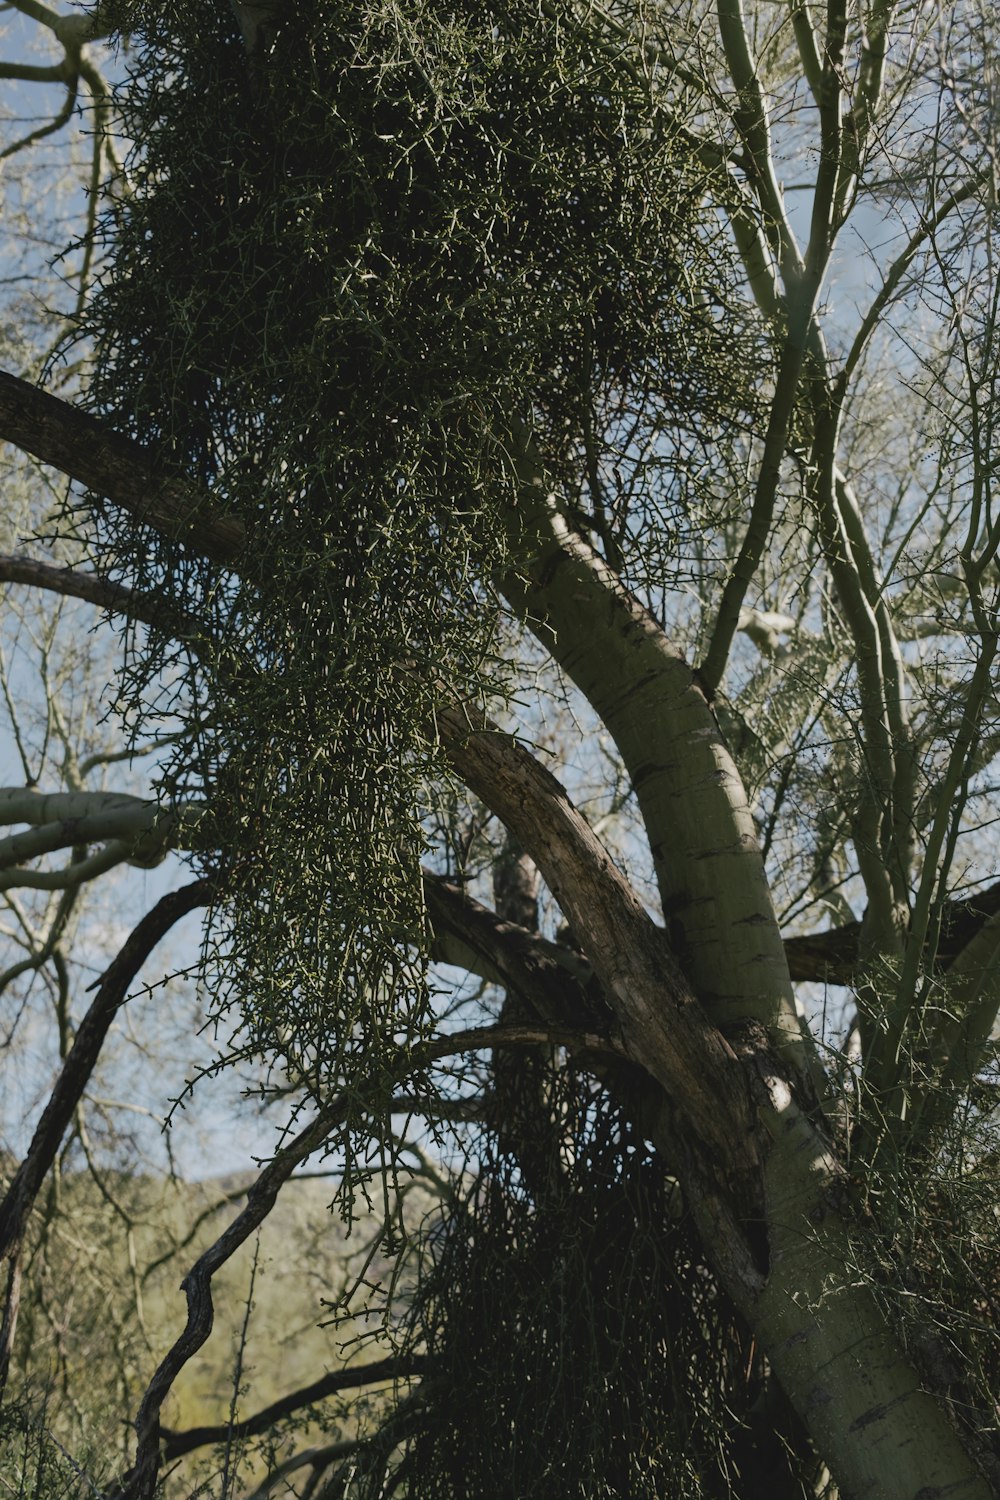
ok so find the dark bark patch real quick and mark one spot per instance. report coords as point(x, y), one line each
point(876, 1414)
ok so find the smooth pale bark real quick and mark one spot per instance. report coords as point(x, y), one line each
point(716, 900)
point(882, 1434)
point(133, 829)
point(791, 1268)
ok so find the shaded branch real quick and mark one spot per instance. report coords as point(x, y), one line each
point(74, 1076)
point(316, 1459)
point(552, 977)
point(140, 1481)
point(663, 1027)
point(176, 1444)
point(115, 467)
point(115, 598)
point(834, 957)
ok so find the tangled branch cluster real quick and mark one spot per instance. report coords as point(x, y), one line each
point(577, 1331)
point(345, 270)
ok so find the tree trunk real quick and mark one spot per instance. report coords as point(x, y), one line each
point(768, 1195)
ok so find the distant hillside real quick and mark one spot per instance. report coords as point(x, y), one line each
point(88, 1346)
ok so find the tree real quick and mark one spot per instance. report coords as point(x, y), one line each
point(443, 355)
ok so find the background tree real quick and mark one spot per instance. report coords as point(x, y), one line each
point(487, 370)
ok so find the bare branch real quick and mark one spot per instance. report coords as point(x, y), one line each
point(751, 120)
point(693, 803)
point(549, 975)
point(142, 828)
point(629, 953)
point(140, 1482)
point(121, 470)
point(79, 1065)
point(897, 271)
point(176, 1444)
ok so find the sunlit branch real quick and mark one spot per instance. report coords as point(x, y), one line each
point(897, 830)
point(874, 795)
point(79, 871)
point(802, 281)
point(630, 955)
point(751, 119)
point(72, 30)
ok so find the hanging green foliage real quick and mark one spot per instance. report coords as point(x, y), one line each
point(579, 1347)
point(343, 267)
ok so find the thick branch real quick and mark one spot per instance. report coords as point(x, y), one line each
point(471, 937)
point(663, 1027)
point(834, 957)
point(715, 893)
point(548, 975)
point(113, 466)
point(130, 828)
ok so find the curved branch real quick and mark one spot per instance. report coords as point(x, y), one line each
point(751, 120)
point(894, 276)
point(709, 868)
point(142, 828)
point(140, 1481)
point(316, 1459)
point(663, 1027)
point(72, 583)
point(176, 1444)
point(74, 1076)
point(51, 126)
